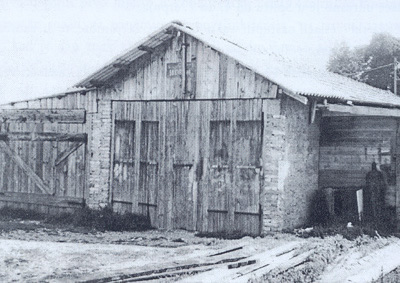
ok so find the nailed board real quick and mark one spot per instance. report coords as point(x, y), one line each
point(43, 115)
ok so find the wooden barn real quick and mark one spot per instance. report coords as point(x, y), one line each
point(198, 133)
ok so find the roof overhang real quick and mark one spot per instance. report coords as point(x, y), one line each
point(334, 110)
point(122, 61)
point(296, 81)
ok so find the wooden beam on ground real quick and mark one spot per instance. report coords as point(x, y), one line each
point(163, 272)
point(74, 116)
point(242, 263)
point(25, 167)
point(227, 251)
point(34, 136)
point(333, 110)
point(64, 155)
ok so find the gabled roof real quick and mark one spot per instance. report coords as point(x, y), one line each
point(290, 76)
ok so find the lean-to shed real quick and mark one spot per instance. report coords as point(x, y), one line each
point(198, 133)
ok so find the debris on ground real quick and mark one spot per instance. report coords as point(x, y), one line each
point(36, 251)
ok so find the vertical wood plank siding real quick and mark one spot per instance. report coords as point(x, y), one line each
point(206, 176)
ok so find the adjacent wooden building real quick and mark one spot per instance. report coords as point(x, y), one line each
point(198, 133)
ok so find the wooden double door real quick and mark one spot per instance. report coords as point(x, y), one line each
point(193, 165)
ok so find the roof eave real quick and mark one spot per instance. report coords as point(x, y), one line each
point(103, 71)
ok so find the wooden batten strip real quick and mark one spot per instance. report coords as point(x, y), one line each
point(25, 167)
point(75, 116)
point(33, 136)
point(66, 153)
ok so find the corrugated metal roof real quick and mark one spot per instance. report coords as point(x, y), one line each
point(292, 76)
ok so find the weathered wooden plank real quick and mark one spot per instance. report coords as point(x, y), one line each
point(264, 88)
point(342, 178)
point(17, 148)
point(32, 198)
point(38, 181)
point(43, 115)
point(340, 110)
point(148, 182)
point(37, 136)
point(71, 181)
point(38, 151)
point(295, 96)
point(246, 82)
point(124, 149)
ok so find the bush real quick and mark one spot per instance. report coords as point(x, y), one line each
point(9, 213)
point(104, 219)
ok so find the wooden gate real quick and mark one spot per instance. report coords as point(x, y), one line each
point(42, 158)
point(193, 165)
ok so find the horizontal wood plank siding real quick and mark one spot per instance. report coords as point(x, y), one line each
point(349, 145)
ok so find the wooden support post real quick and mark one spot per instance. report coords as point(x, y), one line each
point(395, 76)
point(313, 109)
point(397, 196)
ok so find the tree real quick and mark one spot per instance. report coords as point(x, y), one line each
point(363, 62)
point(347, 62)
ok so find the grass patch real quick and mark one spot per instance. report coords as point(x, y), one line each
point(8, 213)
point(102, 220)
point(232, 235)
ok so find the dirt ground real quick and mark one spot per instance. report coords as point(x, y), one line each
point(33, 252)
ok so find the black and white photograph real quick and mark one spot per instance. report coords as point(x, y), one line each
point(200, 141)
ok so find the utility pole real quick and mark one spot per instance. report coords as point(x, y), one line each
point(395, 76)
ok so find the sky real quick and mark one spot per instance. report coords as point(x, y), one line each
point(48, 46)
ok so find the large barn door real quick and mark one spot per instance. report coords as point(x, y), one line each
point(197, 163)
